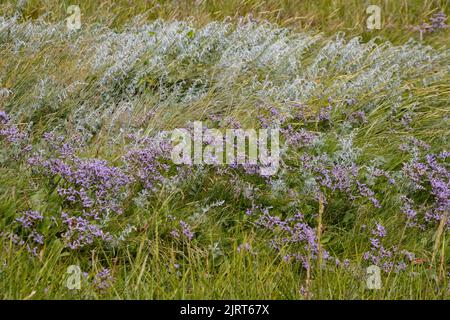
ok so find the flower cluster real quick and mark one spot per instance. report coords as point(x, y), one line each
point(90, 188)
point(322, 173)
point(430, 174)
point(4, 118)
point(244, 247)
point(184, 231)
point(81, 232)
point(29, 221)
point(103, 280)
point(388, 259)
point(29, 218)
point(16, 140)
point(437, 22)
point(146, 161)
point(306, 86)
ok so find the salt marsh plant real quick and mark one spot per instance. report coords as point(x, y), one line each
point(87, 178)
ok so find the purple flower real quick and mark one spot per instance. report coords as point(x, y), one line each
point(408, 210)
point(186, 230)
point(58, 144)
point(37, 237)
point(81, 232)
point(103, 279)
point(325, 113)
point(431, 175)
point(375, 242)
point(387, 259)
point(350, 101)
point(295, 233)
point(411, 256)
point(175, 234)
point(438, 21)
point(299, 138)
point(9, 131)
point(368, 193)
point(12, 134)
point(244, 247)
point(401, 266)
point(146, 162)
point(4, 118)
point(379, 231)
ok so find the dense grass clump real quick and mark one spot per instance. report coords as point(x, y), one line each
point(86, 177)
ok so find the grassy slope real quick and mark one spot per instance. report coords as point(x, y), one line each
point(145, 267)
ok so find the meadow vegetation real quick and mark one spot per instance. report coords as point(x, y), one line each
point(86, 176)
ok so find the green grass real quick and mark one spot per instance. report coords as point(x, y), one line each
point(144, 266)
point(328, 16)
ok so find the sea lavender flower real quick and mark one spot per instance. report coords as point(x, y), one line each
point(58, 144)
point(387, 259)
point(375, 242)
point(295, 234)
point(32, 249)
point(145, 162)
point(4, 118)
point(29, 218)
point(406, 120)
point(401, 266)
point(175, 234)
point(358, 117)
point(379, 231)
point(17, 240)
point(410, 255)
point(244, 247)
point(186, 230)
point(368, 193)
point(87, 183)
point(350, 101)
point(81, 232)
point(12, 134)
point(325, 113)
point(9, 131)
point(438, 21)
point(36, 237)
point(407, 209)
point(431, 175)
point(299, 138)
point(346, 263)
